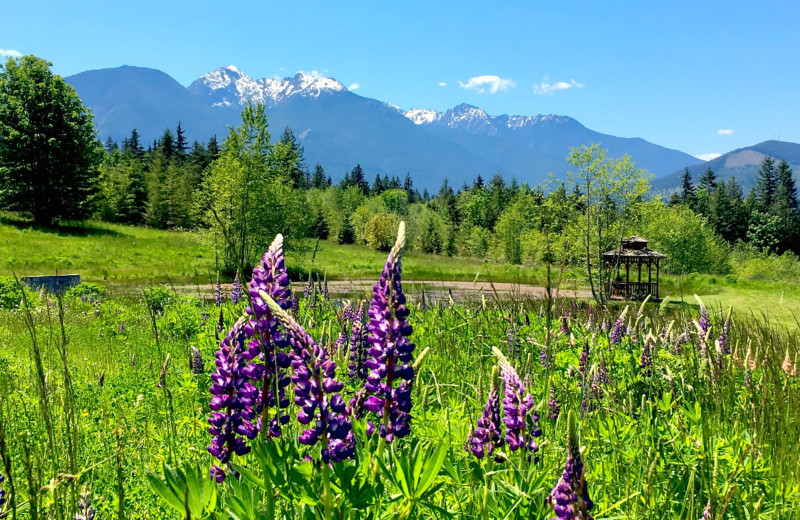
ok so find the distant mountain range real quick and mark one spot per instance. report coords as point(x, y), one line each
point(339, 128)
point(742, 164)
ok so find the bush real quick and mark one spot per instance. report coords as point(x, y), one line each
point(380, 231)
point(88, 292)
point(10, 293)
point(158, 298)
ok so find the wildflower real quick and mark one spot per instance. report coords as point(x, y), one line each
point(647, 358)
point(341, 342)
point(219, 298)
point(2, 492)
point(520, 419)
point(316, 391)
point(236, 290)
point(122, 327)
point(552, 404)
point(234, 397)
point(514, 347)
point(544, 358)
point(570, 496)
point(584, 359)
point(87, 512)
point(565, 325)
point(390, 352)
point(197, 364)
point(707, 511)
point(270, 278)
point(619, 331)
point(487, 437)
point(295, 306)
point(204, 318)
point(724, 340)
point(788, 367)
point(358, 348)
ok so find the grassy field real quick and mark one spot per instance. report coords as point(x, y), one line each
point(125, 258)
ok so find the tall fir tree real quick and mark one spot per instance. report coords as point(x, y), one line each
point(166, 145)
point(708, 181)
point(180, 142)
point(292, 159)
point(318, 179)
point(378, 185)
point(357, 179)
point(688, 194)
point(766, 184)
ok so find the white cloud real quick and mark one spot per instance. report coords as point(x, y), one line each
point(10, 53)
point(724, 131)
point(545, 87)
point(442, 84)
point(707, 156)
point(487, 83)
point(354, 86)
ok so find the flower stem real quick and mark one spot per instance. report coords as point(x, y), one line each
point(327, 498)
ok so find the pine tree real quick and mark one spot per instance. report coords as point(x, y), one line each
point(708, 181)
point(132, 144)
point(111, 145)
point(318, 180)
point(787, 190)
point(180, 141)
point(378, 185)
point(357, 179)
point(478, 183)
point(688, 195)
point(292, 161)
point(785, 207)
point(766, 184)
point(166, 145)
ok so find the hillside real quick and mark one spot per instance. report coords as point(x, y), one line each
point(743, 164)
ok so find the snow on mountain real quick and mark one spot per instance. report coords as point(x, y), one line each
point(229, 86)
point(421, 116)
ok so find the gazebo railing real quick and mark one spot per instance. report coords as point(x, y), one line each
point(621, 289)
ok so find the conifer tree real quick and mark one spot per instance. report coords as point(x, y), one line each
point(318, 179)
point(766, 184)
point(166, 145)
point(688, 195)
point(111, 145)
point(378, 185)
point(357, 179)
point(180, 141)
point(708, 181)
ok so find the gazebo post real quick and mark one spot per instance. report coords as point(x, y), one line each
point(627, 279)
point(657, 271)
point(650, 277)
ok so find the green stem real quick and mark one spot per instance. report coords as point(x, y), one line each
point(327, 498)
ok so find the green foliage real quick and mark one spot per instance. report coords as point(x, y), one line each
point(380, 231)
point(11, 292)
point(88, 292)
point(48, 152)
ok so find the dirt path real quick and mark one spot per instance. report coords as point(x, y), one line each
point(432, 289)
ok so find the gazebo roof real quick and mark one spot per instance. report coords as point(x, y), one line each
point(634, 247)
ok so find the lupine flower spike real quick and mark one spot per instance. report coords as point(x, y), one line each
point(218, 296)
point(316, 391)
point(570, 496)
point(358, 347)
point(619, 328)
point(390, 355)
point(487, 437)
point(86, 511)
point(552, 404)
point(236, 290)
point(522, 422)
point(270, 277)
point(2, 492)
point(197, 365)
point(234, 398)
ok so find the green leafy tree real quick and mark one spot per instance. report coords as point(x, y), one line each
point(49, 155)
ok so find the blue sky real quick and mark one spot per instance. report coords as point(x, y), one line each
point(703, 77)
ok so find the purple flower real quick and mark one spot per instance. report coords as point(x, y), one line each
point(647, 358)
point(122, 327)
point(316, 391)
point(197, 365)
point(514, 347)
point(87, 512)
point(270, 277)
point(570, 496)
point(487, 437)
point(584, 359)
point(341, 342)
point(522, 422)
point(2, 492)
point(724, 339)
point(234, 399)
point(619, 330)
point(218, 296)
point(705, 319)
point(390, 355)
point(358, 348)
point(544, 358)
point(552, 404)
point(565, 325)
point(707, 511)
point(236, 290)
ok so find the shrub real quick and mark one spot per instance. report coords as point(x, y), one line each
point(380, 231)
point(10, 293)
point(88, 292)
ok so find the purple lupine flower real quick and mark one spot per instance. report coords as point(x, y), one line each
point(646, 359)
point(748, 377)
point(325, 294)
point(317, 391)
point(705, 319)
point(604, 326)
point(570, 497)
point(565, 325)
point(2, 492)
point(552, 404)
point(544, 358)
point(219, 298)
point(234, 398)
point(197, 365)
point(204, 318)
point(341, 342)
point(236, 290)
point(514, 346)
point(358, 348)
point(707, 511)
point(522, 422)
point(122, 327)
point(270, 277)
point(87, 512)
point(619, 330)
point(584, 359)
point(486, 438)
point(390, 352)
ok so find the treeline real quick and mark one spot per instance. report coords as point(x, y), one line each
point(768, 218)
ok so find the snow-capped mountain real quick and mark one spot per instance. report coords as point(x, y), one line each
point(229, 86)
point(339, 128)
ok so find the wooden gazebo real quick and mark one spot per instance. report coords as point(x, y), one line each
point(633, 252)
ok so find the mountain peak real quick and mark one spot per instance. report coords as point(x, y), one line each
point(229, 86)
